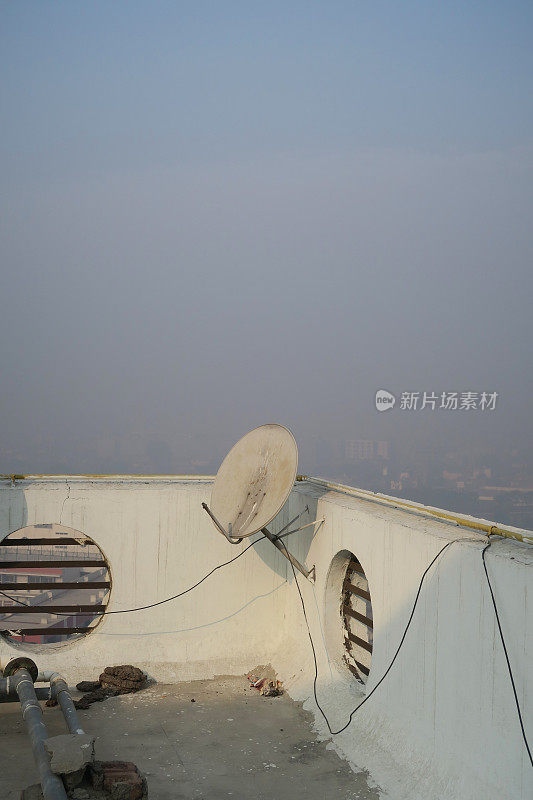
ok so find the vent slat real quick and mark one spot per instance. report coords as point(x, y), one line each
point(362, 668)
point(20, 609)
point(65, 563)
point(361, 642)
point(42, 570)
point(349, 587)
point(55, 585)
point(353, 670)
point(349, 612)
point(51, 631)
point(59, 540)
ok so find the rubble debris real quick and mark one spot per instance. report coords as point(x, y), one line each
point(126, 672)
point(80, 794)
point(73, 779)
point(121, 779)
point(94, 697)
point(122, 679)
point(271, 689)
point(125, 678)
point(69, 752)
point(33, 792)
point(87, 686)
point(265, 687)
point(102, 780)
point(110, 682)
point(256, 683)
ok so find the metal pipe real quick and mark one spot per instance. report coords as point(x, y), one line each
point(106, 478)
point(8, 692)
point(308, 573)
point(52, 785)
point(318, 522)
point(60, 692)
point(306, 509)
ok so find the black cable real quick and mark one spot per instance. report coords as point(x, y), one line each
point(141, 608)
point(315, 679)
point(15, 600)
point(127, 610)
point(506, 653)
point(369, 695)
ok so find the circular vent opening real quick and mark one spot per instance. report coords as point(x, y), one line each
point(54, 585)
point(358, 626)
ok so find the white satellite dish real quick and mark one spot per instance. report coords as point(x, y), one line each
point(255, 480)
point(253, 484)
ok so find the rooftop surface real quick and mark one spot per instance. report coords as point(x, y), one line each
point(442, 722)
point(230, 742)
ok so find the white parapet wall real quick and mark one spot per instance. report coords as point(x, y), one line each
point(442, 725)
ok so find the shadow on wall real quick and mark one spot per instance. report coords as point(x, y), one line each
point(17, 510)
point(299, 543)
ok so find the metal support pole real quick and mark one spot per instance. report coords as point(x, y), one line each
point(60, 692)
point(276, 540)
point(231, 539)
point(52, 785)
point(307, 573)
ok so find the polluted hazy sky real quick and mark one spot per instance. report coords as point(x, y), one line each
point(215, 215)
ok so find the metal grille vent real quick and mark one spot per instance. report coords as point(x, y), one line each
point(55, 584)
point(358, 626)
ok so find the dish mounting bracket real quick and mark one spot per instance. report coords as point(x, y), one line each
point(276, 539)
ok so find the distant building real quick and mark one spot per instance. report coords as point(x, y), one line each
point(365, 450)
point(358, 449)
point(382, 449)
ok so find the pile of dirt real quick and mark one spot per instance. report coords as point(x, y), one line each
point(123, 679)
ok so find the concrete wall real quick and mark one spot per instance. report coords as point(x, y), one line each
point(158, 541)
point(442, 725)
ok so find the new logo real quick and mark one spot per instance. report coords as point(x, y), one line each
point(384, 400)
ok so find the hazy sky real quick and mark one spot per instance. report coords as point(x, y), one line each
point(215, 215)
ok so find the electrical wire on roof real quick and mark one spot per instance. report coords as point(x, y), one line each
point(369, 695)
point(315, 679)
point(140, 608)
point(524, 737)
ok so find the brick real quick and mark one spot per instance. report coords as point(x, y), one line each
point(125, 765)
point(122, 780)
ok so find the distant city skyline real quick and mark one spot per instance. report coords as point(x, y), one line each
point(217, 216)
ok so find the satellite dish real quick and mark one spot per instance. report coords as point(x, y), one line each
point(255, 480)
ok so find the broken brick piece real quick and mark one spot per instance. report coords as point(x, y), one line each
point(122, 780)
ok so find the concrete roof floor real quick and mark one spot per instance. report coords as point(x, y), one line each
point(229, 743)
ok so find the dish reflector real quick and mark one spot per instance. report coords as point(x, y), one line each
point(255, 480)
